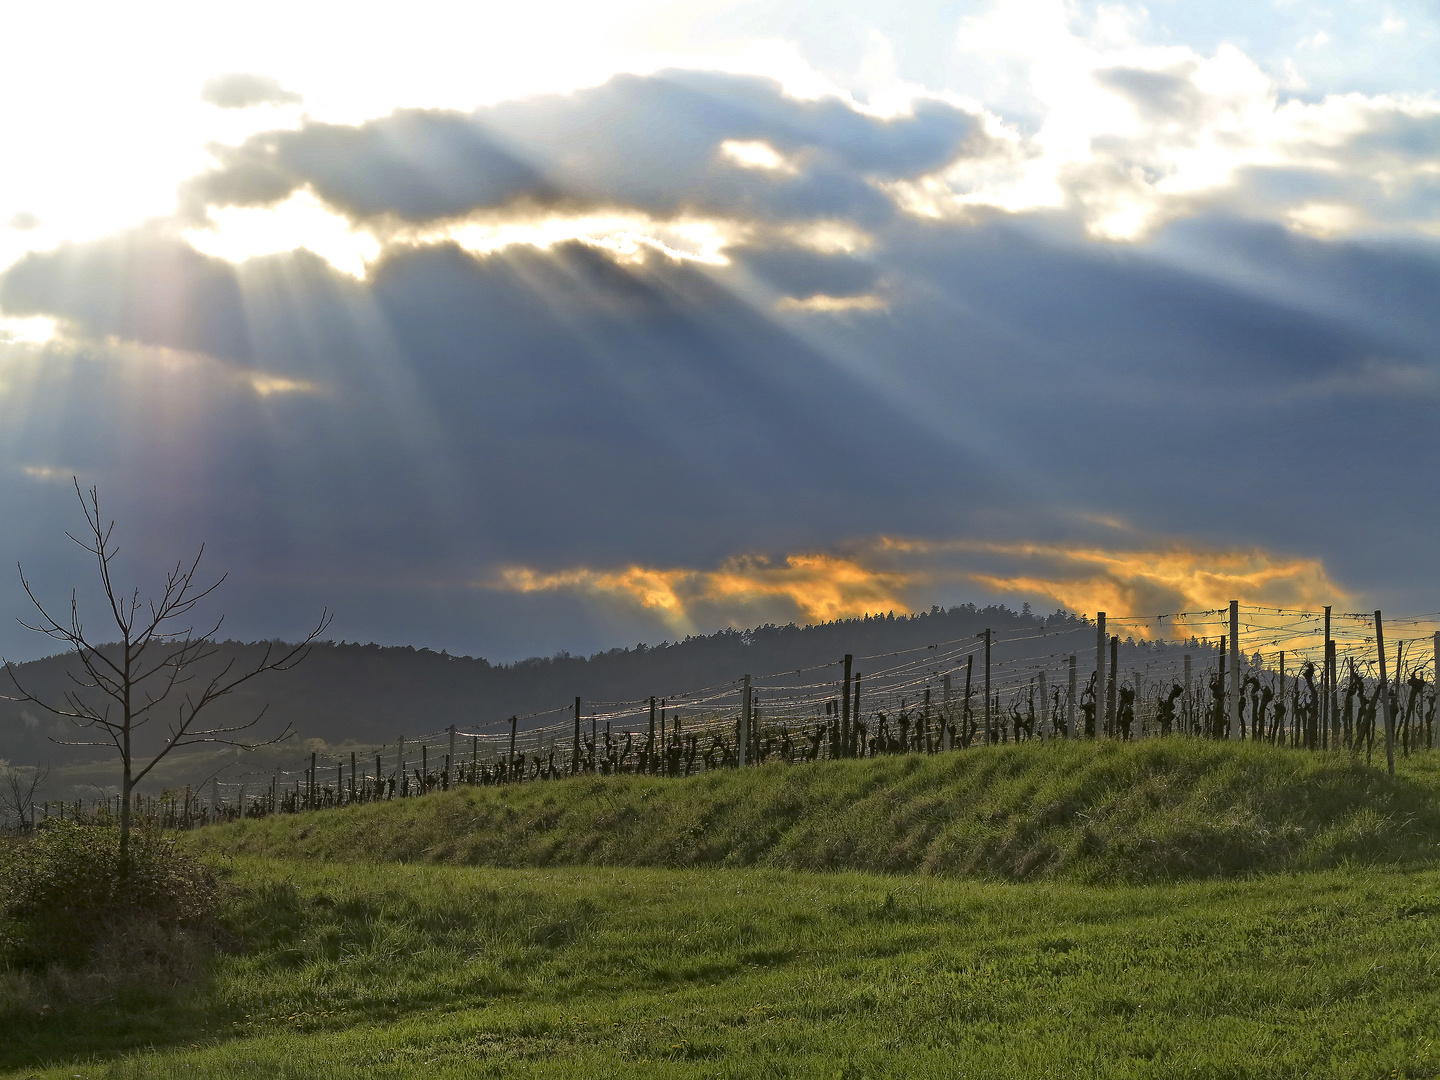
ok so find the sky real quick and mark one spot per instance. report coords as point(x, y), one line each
point(512, 329)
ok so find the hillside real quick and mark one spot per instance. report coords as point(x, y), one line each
point(367, 695)
point(1162, 809)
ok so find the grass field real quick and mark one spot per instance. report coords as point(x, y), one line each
point(407, 969)
point(1157, 810)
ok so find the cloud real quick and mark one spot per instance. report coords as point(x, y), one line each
point(1129, 136)
point(1164, 580)
point(647, 143)
point(1013, 379)
point(415, 165)
point(34, 329)
point(823, 303)
point(896, 574)
point(800, 273)
point(641, 356)
point(48, 473)
point(266, 385)
point(544, 383)
point(144, 286)
point(1376, 377)
point(239, 90)
point(754, 154)
point(744, 590)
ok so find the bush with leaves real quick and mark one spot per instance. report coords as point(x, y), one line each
point(65, 893)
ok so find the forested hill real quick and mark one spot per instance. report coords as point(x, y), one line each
point(369, 694)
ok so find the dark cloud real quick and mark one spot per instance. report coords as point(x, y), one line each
point(1228, 382)
point(240, 90)
point(1158, 95)
point(664, 157)
point(415, 165)
point(1232, 379)
point(144, 286)
point(1397, 134)
point(649, 402)
point(797, 272)
point(559, 408)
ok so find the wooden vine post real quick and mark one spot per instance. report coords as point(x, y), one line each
point(514, 720)
point(1100, 681)
point(1110, 686)
point(1070, 702)
point(649, 740)
point(945, 733)
point(1044, 702)
point(987, 687)
point(845, 710)
point(1384, 692)
point(1189, 700)
point(855, 717)
point(1280, 699)
point(1233, 696)
point(1328, 721)
point(969, 671)
point(575, 748)
point(1332, 663)
point(743, 738)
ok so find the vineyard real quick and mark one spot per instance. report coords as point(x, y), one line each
point(1307, 679)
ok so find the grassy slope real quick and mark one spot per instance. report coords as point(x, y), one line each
point(1151, 811)
point(355, 963)
point(430, 972)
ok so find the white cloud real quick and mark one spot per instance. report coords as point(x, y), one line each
point(300, 221)
point(238, 233)
point(754, 154)
point(1081, 111)
point(1323, 219)
point(26, 330)
point(266, 385)
point(1375, 377)
point(1392, 24)
point(1130, 135)
point(830, 305)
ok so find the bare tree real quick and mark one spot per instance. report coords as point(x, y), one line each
point(159, 668)
point(18, 791)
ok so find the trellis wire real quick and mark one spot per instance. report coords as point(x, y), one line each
point(899, 707)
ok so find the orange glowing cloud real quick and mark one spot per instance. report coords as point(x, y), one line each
point(888, 574)
point(817, 587)
point(1160, 580)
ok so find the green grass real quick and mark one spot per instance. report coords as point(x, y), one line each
point(1165, 909)
point(436, 972)
point(1158, 810)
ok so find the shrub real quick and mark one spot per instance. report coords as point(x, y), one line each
point(64, 900)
